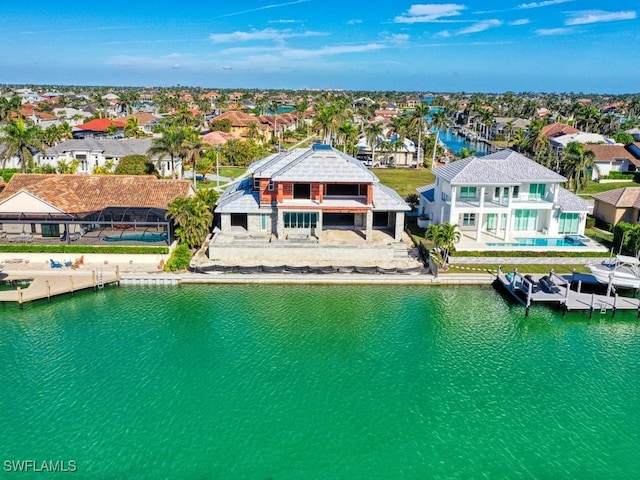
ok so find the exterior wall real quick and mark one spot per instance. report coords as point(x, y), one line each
point(610, 214)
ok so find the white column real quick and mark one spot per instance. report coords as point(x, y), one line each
point(478, 226)
point(510, 199)
point(482, 194)
point(369, 226)
point(454, 191)
point(507, 230)
point(399, 226)
point(280, 225)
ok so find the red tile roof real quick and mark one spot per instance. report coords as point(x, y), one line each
point(90, 193)
point(100, 124)
point(557, 129)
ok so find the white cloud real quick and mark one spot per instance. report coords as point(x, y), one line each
point(285, 21)
point(266, 7)
point(300, 53)
point(597, 16)
point(546, 3)
point(429, 13)
point(443, 34)
point(398, 38)
point(546, 32)
point(479, 27)
point(266, 34)
point(522, 21)
point(354, 21)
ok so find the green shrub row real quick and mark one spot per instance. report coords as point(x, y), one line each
point(179, 259)
point(83, 249)
point(620, 176)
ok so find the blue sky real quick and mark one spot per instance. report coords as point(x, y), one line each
point(473, 46)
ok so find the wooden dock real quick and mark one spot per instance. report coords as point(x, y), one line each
point(567, 298)
point(48, 285)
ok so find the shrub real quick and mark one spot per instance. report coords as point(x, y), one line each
point(619, 176)
point(179, 259)
point(618, 233)
point(591, 222)
point(83, 249)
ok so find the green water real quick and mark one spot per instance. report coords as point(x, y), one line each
point(312, 382)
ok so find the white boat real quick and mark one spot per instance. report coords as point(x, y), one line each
point(624, 272)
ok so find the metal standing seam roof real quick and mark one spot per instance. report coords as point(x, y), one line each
point(309, 165)
point(505, 167)
point(387, 199)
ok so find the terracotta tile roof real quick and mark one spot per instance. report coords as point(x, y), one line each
point(557, 129)
point(620, 197)
point(217, 138)
point(142, 117)
point(100, 124)
point(238, 119)
point(89, 193)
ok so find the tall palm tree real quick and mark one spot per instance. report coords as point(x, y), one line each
point(438, 122)
point(301, 107)
point(347, 134)
point(9, 107)
point(417, 119)
point(192, 218)
point(577, 165)
point(168, 144)
point(21, 139)
point(193, 148)
point(373, 132)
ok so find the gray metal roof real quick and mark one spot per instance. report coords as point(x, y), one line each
point(387, 199)
point(109, 147)
point(505, 167)
point(313, 165)
point(570, 202)
point(240, 198)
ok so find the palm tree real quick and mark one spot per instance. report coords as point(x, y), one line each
point(438, 122)
point(444, 237)
point(347, 133)
point(252, 130)
point(132, 129)
point(577, 164)
point(373, 132)
point(509, 130)
point(301, 108)
point(417, 119)
point(192, 150)
point(9, 107)
point(192, 218)
point(168, 144)
point(632, 236)
point(21, 139)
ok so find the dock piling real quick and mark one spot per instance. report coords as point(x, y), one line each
point(48, 288)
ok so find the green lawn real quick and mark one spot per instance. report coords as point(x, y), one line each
point(597, 187)
point(232, 172)
point(523, 268)
point(404, 180)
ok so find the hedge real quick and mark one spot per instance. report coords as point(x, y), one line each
point(83, 249)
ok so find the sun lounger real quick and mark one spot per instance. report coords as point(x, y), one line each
point(55, 264)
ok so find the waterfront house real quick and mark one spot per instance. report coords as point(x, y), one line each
point(41, 207)
point(501, 196)
point(297, 194)
point(100, 128)
point(619, 205)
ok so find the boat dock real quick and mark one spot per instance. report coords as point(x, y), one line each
point(522, 290)
point(47, 285)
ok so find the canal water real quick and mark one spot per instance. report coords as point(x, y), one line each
point(318, 382)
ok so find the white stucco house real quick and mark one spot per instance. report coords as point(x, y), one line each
point(500, 197)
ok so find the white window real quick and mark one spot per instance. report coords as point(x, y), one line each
point(468, 219)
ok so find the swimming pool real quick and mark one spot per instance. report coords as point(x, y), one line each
point(137, 237)
point(569, 241)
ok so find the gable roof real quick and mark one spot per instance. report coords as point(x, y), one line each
point(141, 117)
point(625, 197)
point(89, 193)
point(505, 167)
point(607, 153)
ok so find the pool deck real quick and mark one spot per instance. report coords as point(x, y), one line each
point(469, 244)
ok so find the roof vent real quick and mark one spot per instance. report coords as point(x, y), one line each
point(320, 146)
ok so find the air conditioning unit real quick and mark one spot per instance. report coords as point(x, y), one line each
point(545, 231)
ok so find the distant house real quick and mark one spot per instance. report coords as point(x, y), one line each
point(501, 196)
point(619, 205)
point(306, 190)
point(557, 130)
point(46, 206)
point(391, 152)
point(499, 127)
point(95, 152)
point(146, 121)
point(558, 144)
point(614, 158)
point(240, 122)
point(99, 127)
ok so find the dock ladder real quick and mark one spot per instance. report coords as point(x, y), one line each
point(603, 307)
point(100, 280)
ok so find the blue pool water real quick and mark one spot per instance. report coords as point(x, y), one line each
point(137, 237)
point(540, 242)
